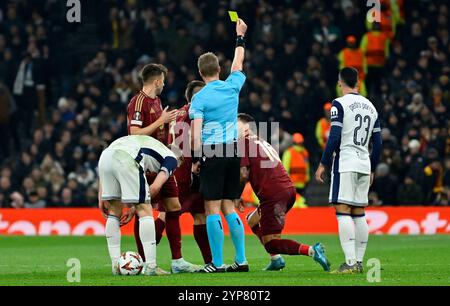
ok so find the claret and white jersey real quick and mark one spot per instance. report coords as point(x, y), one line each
point(123, 164)
point(359, 120)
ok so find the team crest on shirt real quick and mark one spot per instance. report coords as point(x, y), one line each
point(137, 116)
point(334, 112)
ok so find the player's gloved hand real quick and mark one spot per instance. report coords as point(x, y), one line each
point(241, 27)
point(127, 216)
point(167, 117)
point(104, 208)
point(320, 174)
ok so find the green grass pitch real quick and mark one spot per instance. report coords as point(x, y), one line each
point(405, 260)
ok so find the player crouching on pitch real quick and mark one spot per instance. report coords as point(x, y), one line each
point(122, 168)
point(261, 165)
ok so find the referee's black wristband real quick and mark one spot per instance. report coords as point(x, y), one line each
point(240, 41)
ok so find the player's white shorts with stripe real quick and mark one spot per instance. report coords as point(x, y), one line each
point(350, 188)
point(122, 178)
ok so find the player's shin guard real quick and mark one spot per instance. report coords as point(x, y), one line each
point(215, 238)
point(173, 231)
point(361, 235)
point(147, 235)
point(347, 237)
point(137, 238)
point(237, 236)
point(160, 225)
point(112, 233)
point(201, 237)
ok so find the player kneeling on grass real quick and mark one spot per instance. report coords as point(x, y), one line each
point(122, 168)
point(261, 165)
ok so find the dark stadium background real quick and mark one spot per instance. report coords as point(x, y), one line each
point(85, 73)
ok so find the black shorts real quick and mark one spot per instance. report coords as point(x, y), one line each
point(220, 178)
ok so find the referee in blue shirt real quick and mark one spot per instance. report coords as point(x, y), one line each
point(213, 113)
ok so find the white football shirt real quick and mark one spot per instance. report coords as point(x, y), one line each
point(151, 154)
point(359, 120)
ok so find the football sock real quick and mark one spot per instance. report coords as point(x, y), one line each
point(287, 247)
point(201, 237)
point(160, 225)
point(147, 235)
point(173, 232)
point(112, 233)
point(215, 237)
point(361, 235)
point(137, 238)
point(347, 237)
point(237, 236)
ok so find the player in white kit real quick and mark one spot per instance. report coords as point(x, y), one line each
point(354, 125)
point(122, 168)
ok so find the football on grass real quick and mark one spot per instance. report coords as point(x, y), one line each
point(130, 263)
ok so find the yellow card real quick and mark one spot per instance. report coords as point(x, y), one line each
point(233, 16)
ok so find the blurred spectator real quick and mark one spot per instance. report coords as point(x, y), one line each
point(7, 108)
point(17, 200)
point(323, 127)
point(34, 201)
point(5, 190)
point(296, 163)
point(385, 185)
point(409, 193)
point(66, 197)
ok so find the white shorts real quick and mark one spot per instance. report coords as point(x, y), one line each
point(122, 178)
point(350, 188)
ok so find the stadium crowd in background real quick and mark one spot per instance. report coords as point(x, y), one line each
point(62, 100)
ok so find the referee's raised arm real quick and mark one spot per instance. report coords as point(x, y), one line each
point(239, 53)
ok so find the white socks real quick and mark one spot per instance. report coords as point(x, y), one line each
point(147, 235)
point(361, 235)
point(347, 237)
point(112, 233)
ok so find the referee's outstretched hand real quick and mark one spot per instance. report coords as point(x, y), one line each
point(241, 27)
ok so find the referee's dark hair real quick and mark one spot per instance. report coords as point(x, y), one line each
point(152, 71)
point(349, 76)
point(191, 89)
